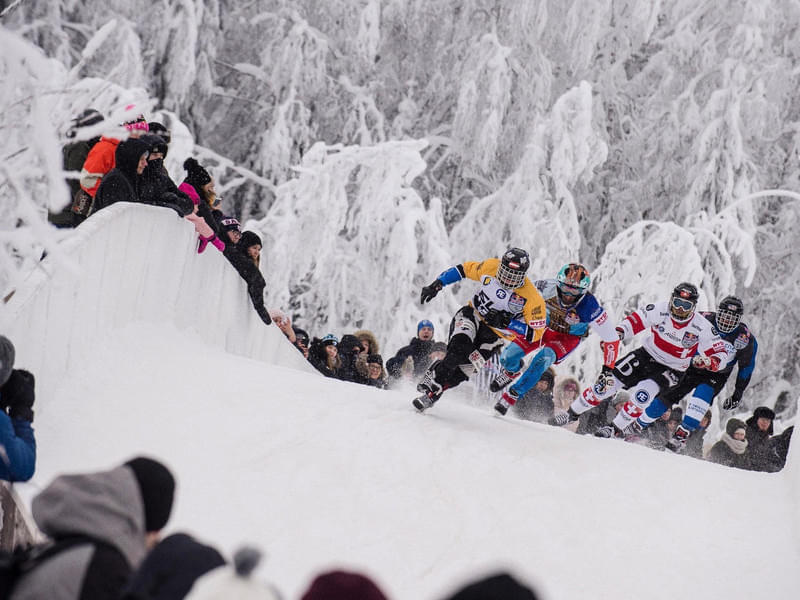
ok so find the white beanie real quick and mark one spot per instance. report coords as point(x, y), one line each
point(227, 582)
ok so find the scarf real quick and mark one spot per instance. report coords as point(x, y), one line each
point(737, 446)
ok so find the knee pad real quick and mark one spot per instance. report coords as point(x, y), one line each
point(644, 393)
point(533, 373)
point(511, 358)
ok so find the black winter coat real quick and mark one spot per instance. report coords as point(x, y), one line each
point(418, 350)
point(122, 183)
point(248, 271)
point(156, 188)
point(171, 568)
point(723, 455)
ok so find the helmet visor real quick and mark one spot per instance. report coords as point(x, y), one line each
point(510, 278)
point(727, 320)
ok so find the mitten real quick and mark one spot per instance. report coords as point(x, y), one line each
point(218, 243)
point(18, 395)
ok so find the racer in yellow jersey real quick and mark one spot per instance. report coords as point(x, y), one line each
point(478, 329)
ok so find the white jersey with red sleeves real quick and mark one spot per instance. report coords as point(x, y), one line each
point(673, 344)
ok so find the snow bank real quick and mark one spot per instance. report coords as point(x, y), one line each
point(135, 264)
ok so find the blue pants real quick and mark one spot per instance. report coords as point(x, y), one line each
point(511, 360)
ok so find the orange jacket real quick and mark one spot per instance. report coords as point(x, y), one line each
point(99, 162)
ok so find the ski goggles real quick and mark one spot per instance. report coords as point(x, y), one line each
point(681, 304)
point(570, 290)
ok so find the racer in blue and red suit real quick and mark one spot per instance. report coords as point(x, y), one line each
point(571, 311)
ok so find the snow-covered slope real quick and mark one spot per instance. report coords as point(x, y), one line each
point(322, 473)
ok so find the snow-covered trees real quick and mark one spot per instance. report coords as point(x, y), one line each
point(580, 129)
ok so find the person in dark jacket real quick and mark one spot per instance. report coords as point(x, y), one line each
point(537, 403)
point(696, 439)
point(349, 349)
point(74, 155)
point(376, 374)
point(323, 354)
point(249, 271)
point(730, 449)
point(123, 183)
point(119, 513)
point(759, 433)
point(593, 420)
point(775, 458)
point(17, 442)
point(171, 568)
point(156, 187)
point(417, 349)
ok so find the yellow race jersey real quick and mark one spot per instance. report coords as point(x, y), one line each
point(524, 302)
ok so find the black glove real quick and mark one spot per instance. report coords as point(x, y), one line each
point(498, 318)
point(182, 206)
point(429, 291)
point(18, 394)
point(733, 401)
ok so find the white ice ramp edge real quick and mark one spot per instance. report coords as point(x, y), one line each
point(133, 264)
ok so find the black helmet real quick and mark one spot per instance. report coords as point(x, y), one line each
point(683, 302)
point(512, 269)
point(729, 314)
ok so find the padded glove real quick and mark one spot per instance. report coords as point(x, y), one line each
point(733, 401)
point(429, 291)
point(499, 319)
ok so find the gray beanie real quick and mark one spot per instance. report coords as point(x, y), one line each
point(6, 358)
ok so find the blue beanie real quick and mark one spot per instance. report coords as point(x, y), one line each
point(424, 323)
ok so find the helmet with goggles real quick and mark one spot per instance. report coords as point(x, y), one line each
point(683, 302)
point(572, 282)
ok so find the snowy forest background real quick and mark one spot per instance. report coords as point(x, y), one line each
point(374, 143)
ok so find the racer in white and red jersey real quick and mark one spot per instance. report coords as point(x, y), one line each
point(677, 337)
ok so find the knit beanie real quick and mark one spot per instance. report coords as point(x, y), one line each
point(496, 587)
point(230, 224)
point(155, 143)
point(341, 585)
point(157, 486)
point(329, 340)
point(7, 355)
point(733, 425)
point(375, 358)
point(548, 377)
point(196, 175)
point(159, 130)
point(248, 239)
point(424, 323)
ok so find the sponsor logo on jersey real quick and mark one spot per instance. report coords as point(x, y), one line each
point(537, 323)
point(501, 293)
point(602, 318)
point(671, 377)
point(642, 397)
point(649, 307)
point(741, 340)
point(486, 280)
point(516, 303)
point(689, 339)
